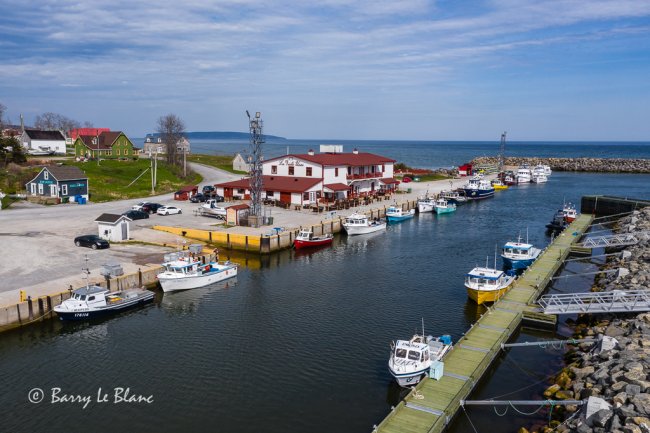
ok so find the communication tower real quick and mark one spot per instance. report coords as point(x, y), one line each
point(255, 171)
point(502, 151)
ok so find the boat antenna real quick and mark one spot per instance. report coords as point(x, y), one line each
point(487, 259)
point(86, 272)
point(526, 234)
point(423, 327)
point(495, 256)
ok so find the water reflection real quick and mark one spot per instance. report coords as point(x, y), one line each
point(187, 301)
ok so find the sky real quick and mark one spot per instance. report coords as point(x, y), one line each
point(339, 69)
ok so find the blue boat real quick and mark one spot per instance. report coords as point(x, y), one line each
point(478, 188)
point(518, 255)
point(396, 214)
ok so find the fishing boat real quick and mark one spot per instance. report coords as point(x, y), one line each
point(183, 272)
point(94, 301)
point(478, 188)
point(411, 360)
point(454, 196)
point(558, 223)
point(542, 169)
point(519, 255)
point(570, 212)
point(498, 184)
point(444, 206)
point(426, 204)
point(360, 224)
point(487, 284)
point(396, 214)
point(306, 239)
point(538, 178)
point(523, 174)
point(508, 178)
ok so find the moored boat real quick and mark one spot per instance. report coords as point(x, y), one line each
point(360, 224)
point(478, 188)
point(396, 214)
point(558, 223)
point(94, 301)
point(570, 212)
point(183, 272)
point(454, 196)
point(508, 178)
point(426, 204)
point(410, 360)
point(538, 178)
point(519, 255)
point(523, 174)
point(498, 184)
point(306, 239)
point(487, 284)
point(444, 206)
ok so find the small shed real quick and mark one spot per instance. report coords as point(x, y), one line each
point(237, 214)
point(240, 164)
point(465, 170)
point(186, 192)
point(113, 228)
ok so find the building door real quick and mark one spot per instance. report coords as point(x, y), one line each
point(53, 190)
point(285, 197)
point(32, 187)
point(312, 196)
point(125, 234)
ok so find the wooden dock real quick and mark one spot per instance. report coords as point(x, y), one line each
point(433, 403)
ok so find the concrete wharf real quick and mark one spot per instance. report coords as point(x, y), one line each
point(433, 403)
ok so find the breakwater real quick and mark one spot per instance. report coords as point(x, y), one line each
point(621, 373)
point(598, 165)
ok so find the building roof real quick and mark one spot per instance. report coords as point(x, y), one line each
point(110, 218)
point(388, 180)
point(337, 186)
point(66, 172)
point(238, 207)
point(105, 142)
point(188, 188)
point(37, 134)
point(74, 133)
point(276, 183)
point(353, 159)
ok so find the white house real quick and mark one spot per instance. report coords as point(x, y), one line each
point(240, 164)
point(310, 178)
point(38, 142)
point(113, 228)
point(153, 143)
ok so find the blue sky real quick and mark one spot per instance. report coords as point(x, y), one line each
point(376, 69)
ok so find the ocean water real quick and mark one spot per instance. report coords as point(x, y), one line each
point(435, 154)
point(299, 342)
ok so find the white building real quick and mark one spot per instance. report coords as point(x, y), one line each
point(38, 142)
point(153, 143)
point(240, 164)
point(311, 178)
point(113, 228)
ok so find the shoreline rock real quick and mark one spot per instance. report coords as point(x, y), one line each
point(597, 165)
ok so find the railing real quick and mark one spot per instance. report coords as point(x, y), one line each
point(357, 176)
point(621, 239)
point(616, 301)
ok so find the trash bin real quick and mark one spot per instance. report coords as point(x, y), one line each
point(269, 220)
point(408, 190)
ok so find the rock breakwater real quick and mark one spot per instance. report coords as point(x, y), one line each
point(599, 165)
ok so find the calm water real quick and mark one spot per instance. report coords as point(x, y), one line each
point(300, 341)
point(435, 154)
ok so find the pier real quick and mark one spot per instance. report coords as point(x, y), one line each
point(433, 403)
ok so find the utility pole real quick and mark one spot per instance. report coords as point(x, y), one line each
point(502, 151)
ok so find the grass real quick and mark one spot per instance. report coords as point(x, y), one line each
point(430, 177)
point(223, 162)
point(110, 179)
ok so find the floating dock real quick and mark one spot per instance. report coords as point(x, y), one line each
point(433, 403)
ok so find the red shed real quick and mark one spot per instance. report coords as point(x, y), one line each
point(186, 192)
point(465, 169)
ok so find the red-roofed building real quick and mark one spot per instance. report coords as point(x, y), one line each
point(310, 178)
point(75, 133)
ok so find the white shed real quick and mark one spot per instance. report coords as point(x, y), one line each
point(240, 164)
point(113, 228)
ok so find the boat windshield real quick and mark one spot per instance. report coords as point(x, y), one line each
point(400, 353)
point(414, 356)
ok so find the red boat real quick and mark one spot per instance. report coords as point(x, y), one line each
point(306, 239)
point(569, 212)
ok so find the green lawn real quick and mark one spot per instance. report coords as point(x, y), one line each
point(224, 162)
point(110, 180)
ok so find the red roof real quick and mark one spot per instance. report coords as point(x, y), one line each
point(353, 159)
point(74, 133)
point(238, 207)
point(337, 186)
point(388, 180)
point(275, 183)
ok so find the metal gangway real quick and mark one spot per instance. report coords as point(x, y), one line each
point(617, 240)
point(616, 301)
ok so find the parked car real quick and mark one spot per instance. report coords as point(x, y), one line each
point(217, 198)
point(91, 241)
point(208, 189)
point(139, 205)
point(151, 207)
point(406, 179)
point(168, 210)
point(136, 214)
point(198, 198)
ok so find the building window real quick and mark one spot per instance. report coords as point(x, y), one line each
point(291, 170)
point(118, 152)
point(274, 169)
point(46, 175)
point(33, 188)
point(64, 189)
point(241, 191)
point(308, 171)
point(336, 172)
point(40, 189)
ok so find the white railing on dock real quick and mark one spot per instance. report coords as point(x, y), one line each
point(617, 240)
point(616, 301)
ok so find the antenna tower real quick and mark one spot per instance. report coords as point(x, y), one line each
point(255, 163)
point(502, 151)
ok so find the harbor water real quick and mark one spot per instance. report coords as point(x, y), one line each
point(299, 342)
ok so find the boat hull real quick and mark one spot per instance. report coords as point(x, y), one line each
point(500, 187)
point(478, 194)
point(444, 210)
point(425, 207)
point(409, 379)
point(301, 244)
point(171, 283)
point(363, 230)
point(396, 219)
point(104, 312)
point(516, 264)
point(481, 296)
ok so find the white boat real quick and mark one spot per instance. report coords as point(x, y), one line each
point(94, 301)
point(360, 224)
point(396, 214)
point(426, 204)
point(211, 207)
point(524, 174)
point(410, 360)
point(183, 272)
point(539, 178)
point(487, 284)
point(542, 169)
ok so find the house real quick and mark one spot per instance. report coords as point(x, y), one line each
point(108, 144)
point(465, 169)
point(113, 228)
point(38, 142)
point(186, 192)
point(153, 143)
point(64, 182)
point(240, 164)
point(311, 178)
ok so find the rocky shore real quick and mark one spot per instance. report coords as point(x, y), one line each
point(602, 165)
point(617, 367)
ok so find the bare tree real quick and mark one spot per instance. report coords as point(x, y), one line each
point(171, 129)
point(54, 121)
point(3, 109)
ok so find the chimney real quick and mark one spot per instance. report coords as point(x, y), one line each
point(22, 123)
point(355, 151)
point(310, 152)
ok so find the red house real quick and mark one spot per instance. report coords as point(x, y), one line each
point(465, 169)
point(186, 192)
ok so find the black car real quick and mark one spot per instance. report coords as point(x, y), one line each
point(91, 241)
point(136, 214)
point(209, 189)
point(196, 198)
point(151, 207)
point(217, 198)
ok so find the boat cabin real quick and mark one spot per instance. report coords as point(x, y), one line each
point(485, 278)
point(91, 296)
point(411, 351)
point(357, 219)
point(516, 249)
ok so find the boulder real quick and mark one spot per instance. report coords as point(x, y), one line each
point(600, 418)
point(632, 390)
point(551, 390)
point(641, 403)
